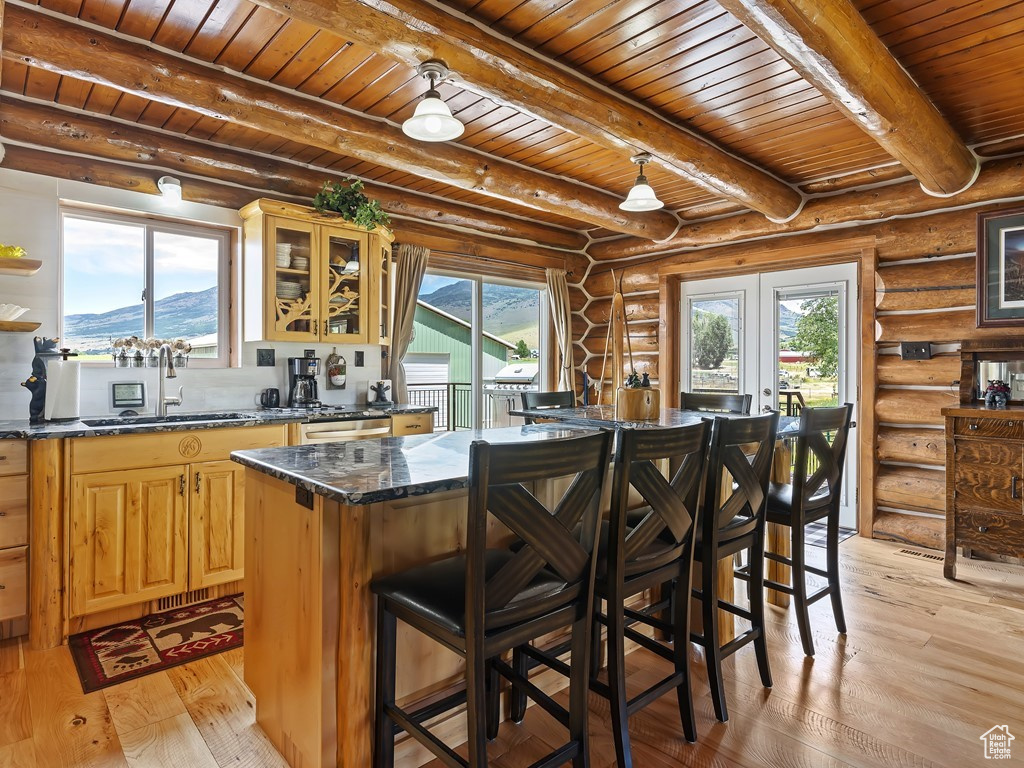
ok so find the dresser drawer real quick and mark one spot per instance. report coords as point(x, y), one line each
point(991, 532)
point(13, 457)
point(13, 583)
point(13, 511)
point(989, 474)
point(968, 426)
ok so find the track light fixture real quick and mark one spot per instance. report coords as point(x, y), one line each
point(432, 120)
point(641, 197)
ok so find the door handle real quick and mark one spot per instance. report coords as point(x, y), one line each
point(766, 409)
point(199, 480)
point(1013, 487)
point(766, 391)
point(181, 486)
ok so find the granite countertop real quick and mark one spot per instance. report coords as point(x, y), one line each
point(368, 471)
point(112, 425)
point(604, 416)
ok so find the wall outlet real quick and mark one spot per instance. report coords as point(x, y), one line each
point(265, 357)
point(359, 358)
point(915, 350)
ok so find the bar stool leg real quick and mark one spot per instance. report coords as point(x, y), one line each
point(476, 704)
point(579, 686)
point(832, 557)
point(383, 727)
point(493, 687)
point(617, 679)
point(517, 699)
point(681, 656)
point(803, 619)
point(712, 654)
point(757, 608)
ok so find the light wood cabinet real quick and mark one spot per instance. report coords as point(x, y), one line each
point(128, 537)
point(216, 520)
point(13, 532)
point(313, 277)
point(139, 533)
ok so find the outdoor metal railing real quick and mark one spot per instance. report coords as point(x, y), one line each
point(452, 400)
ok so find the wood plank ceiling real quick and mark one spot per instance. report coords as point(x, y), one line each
point(690, 61)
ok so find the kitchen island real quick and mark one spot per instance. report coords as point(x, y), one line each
point(321, 522)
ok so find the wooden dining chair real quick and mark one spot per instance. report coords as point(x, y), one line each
point(732, 520)
point(642, 548)
point(563, 399)
point(815, 494)
point(720, 402)
point(486, 601)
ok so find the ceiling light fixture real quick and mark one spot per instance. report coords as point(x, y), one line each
point(170, 188)
point(641, 197)
point(432, 120)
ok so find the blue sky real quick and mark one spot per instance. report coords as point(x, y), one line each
point(104, 264)
point(432, 282)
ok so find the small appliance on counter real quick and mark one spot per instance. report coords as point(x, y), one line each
point(302, 386)
point(379, 394)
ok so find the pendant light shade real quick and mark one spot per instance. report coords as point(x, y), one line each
point(641, 197)
point(432, 120)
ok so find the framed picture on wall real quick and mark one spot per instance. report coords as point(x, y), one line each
point(1000, 268)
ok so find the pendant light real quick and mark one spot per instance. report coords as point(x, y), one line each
point(641, 197)
point(432, 120)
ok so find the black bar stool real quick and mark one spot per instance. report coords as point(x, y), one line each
point(815, 494)
point(642, 549)
point(562, 399)
point(486, 601)
point(719, 402)
point(733, 520)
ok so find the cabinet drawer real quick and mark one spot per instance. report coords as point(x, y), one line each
point(989, 474)
point(13, 583)
point(991, 532)
point(13, 511)
point(412, 424)
point(988, 427)
point(160, 449)
point(13, 457)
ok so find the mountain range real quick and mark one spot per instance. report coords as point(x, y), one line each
point(179, 316)
point(509, 312)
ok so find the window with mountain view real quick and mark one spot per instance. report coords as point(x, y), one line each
point(153, 281)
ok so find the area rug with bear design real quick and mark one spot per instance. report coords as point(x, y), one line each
point(111, 655)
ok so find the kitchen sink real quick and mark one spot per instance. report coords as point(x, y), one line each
point(178, 418)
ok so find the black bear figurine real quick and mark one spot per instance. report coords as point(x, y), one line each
point(44, 348)
point(37, 387)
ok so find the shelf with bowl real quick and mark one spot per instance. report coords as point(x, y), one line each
point(17, 326)
point(22, 267)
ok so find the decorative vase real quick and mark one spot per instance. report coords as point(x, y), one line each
point(995, 399)
point(637, 403)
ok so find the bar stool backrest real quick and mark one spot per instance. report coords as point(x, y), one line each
point(671, 501)
point(564, 399)
point(821, 485)
point(715, 401)
point(743, 448)
point(499, 476)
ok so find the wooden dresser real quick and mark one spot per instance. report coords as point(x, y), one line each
point(984, 482)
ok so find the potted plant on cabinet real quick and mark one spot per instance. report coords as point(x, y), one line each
point(348, 199)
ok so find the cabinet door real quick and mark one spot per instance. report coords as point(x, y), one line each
point(383, 281)
point(216, 520)
point(989, 474)
point(292, 285)
point(128, 537)
point(344, 286)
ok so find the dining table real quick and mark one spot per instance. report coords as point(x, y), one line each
point(777, 536)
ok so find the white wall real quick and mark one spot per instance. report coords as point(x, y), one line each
point(29, 218)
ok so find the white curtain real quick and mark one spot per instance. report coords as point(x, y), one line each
point(558, 293)
point(412, 263)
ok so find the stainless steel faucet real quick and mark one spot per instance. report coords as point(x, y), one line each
point(162, 401)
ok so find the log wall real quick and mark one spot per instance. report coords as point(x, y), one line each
point(924, 290)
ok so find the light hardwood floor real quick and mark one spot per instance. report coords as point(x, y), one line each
point(927, 667)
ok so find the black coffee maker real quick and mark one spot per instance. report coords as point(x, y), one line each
point(302, 389)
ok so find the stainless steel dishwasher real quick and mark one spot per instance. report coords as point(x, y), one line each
point(340, 431)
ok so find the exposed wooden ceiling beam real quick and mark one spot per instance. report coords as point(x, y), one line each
point(69, 131)
point(57, 44)
point(484, 62)
point(832, 47)
point(118, 176)
point(998, 179)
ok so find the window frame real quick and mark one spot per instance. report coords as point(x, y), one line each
point(151, 225)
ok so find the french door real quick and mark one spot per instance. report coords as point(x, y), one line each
point(790, 339)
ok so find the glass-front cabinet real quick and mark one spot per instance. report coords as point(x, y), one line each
point(313, 277)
